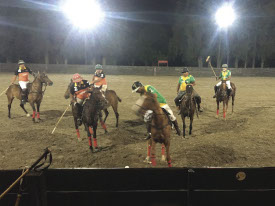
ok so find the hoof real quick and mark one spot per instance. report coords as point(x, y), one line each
point(97, 149)
point(147, 160)
point(106, 131)
point(217, 116)
point(79, 139)
point(28, 115)
point(91, 148)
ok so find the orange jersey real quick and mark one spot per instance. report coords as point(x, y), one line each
point(101, 82)
point(81, 94)
point(23, 73)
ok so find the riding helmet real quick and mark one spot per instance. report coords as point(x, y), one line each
point(98, 66)
point(136, 86)
point(224, 66)
point(185, 69)
point(21, 62)
point(77, 78)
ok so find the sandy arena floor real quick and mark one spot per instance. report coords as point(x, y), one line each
point(246, 139)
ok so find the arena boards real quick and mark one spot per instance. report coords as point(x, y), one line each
point(176, 186)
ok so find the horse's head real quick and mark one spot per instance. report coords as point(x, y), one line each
point(44, 78)
point(189, 89)
point(147, 101)
point(67, 93)
point(98, 96)
point(223, 85)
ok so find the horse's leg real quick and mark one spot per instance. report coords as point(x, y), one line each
point(191, 124)
point(183, 125)
point(168, 158)
point(89, 134)
point(76, 128)
point(162, 152)
point(218, 108)
point(114, 106)
point(23, 107)
point(153, 153)
point(10, 100)
point(38, 109)
point(233, 99)
point(224, 109)
point(147, 159)
point(106, 114)
point(94, 137)
point(102, 123)
point(33, 111)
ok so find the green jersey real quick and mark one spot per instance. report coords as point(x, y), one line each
point(183, 81)
point(161, 100)
point(225, 74)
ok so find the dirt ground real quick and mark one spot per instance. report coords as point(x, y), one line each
point(245, 139)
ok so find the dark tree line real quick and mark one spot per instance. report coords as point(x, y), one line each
point(184, 35)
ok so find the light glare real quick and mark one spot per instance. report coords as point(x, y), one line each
point(84, 14)
point(225, 16)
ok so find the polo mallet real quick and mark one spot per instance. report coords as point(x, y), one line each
point(34, 166)
point(4, 91)
point(208, 59)
point(60, 118)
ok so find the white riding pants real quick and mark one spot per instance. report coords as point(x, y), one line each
point(23, 84)
point(104, 87)
point(168, 109)
point(227, 84)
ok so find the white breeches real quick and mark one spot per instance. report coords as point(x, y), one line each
point(168, 109)
point(227, 84)
point(23, 84)
point(104, 87)
point(79, 101)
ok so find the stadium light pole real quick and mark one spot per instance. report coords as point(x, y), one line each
point(225, 17)
point(85, 15)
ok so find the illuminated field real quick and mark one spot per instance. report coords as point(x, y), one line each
point(246, 139)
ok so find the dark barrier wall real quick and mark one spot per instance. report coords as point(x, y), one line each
point(144, 187)
point(137, 70)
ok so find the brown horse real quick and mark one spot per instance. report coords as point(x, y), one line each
point(160, 125)
point(111, 97)
point(188, 108)
point(35, 94)
point(91, 114)
point(224, 96)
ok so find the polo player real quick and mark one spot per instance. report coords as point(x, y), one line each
point(225, 75)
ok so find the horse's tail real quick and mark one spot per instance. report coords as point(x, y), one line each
point(118, 98)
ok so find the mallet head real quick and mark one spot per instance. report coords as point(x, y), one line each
point(207, 59)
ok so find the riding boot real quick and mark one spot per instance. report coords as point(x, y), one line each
point(175, 123)
point(148, 127)
point(79, 115)
point(229, 92)
point(215, 89)
point(24, 96)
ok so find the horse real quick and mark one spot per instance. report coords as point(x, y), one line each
point(111, 97)
point(224, 96)
point(160, 125)
point(188, 108)
point(91, 114)
point(35, 94)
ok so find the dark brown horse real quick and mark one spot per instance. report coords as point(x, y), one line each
point(35, 94)
point(160, 125)
point(91, 114)
point(224, 96)
point(111, 97)
point(188, 108)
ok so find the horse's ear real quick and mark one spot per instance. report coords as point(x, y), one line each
point(71, 80)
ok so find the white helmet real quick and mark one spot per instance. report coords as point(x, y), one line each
point(21, 62)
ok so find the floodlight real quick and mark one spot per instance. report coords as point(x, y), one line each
point(225, 16)
point(84, 14)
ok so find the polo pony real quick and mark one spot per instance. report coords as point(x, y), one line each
point(160, 125)
point(223, 95)
point(35, 94)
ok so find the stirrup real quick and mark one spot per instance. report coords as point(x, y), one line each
point(148, 137)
